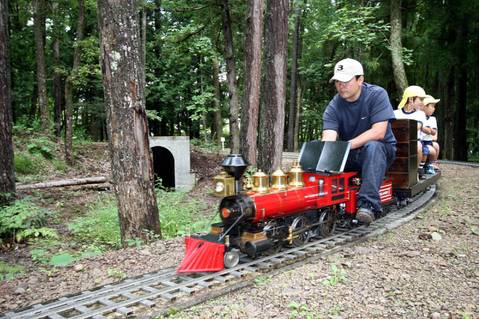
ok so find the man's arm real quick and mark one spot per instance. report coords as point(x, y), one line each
point(376, 133)
point(329, 135)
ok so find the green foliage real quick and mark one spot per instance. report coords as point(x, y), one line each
point(337, 276)
point(61, 260)
point(100, 225)
point(43, 232)
point(262, 280)
point(115, 273)
point(59, 165)
point(8, 272)
point(298, 310)
point(208, 146)
point(39, 255)
point(41, 146)
point(23, 220)
point(179, 214)
point(28, 164)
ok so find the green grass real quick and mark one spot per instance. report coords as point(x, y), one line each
point(100, 226)
point(179, 216)
point(8, 272)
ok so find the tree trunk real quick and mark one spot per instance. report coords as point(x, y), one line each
point(399, 74)
point(69, 87)
point(461, 149)
point(124, 86)
point(57, 88)
point(273, 115)
point(57, 76)
point(39, 30)
point(217, 115)
point(7, 172)
point(297, 117)
point(292, 115)
point(64, 182)
point(449, 111)
point(231, 78)
point(253, 76)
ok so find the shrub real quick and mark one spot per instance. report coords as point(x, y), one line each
point(23, 220)
point(26, 163)
point(41, 146)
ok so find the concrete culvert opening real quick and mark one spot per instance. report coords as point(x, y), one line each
point(163, 167)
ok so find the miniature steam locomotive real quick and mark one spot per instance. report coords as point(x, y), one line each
point(307, 202)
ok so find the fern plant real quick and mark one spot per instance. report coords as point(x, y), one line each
point(23, 220)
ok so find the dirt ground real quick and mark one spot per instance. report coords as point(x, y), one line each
point(425, 269)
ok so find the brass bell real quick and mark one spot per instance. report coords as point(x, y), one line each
point(260, 182)
point(279, 180)
point(295, 175)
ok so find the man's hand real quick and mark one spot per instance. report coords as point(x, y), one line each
point(376, 133)
point(329, 135)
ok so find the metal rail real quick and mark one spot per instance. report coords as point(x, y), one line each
point(157, 293)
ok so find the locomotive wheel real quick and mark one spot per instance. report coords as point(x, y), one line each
point(300, 230)
point(327, 222)
point(231, 258)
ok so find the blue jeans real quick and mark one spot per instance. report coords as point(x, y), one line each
point(372, 162)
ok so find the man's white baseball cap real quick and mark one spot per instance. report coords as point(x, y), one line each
point(346, 69)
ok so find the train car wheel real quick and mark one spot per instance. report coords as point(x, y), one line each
point(300, 230)
point(327, 222)
point(231, 258)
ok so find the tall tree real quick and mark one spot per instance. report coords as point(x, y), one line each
point(69, 87)
point(231, 78)
point(396, 47)
point(7, 173)
point(124, 86)
point(293, 110)
point(57, 74)
point(217, 113)
point(39, 30)
point(253, 76)
point(273, 113)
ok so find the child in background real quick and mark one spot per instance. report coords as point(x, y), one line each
point(411, 108)
point(429, 148)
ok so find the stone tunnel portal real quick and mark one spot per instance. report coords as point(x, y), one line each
point(163, 167)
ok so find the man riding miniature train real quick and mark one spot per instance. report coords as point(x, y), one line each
point(360, 113)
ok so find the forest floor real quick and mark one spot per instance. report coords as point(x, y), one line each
point(427, 268)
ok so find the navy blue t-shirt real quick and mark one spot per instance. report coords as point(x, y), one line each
point(350, 119)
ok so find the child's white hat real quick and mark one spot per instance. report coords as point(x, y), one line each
point(430, 100)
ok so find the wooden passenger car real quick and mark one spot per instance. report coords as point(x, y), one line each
point(404, 170)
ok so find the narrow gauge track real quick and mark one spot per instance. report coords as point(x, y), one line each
point(158, 293)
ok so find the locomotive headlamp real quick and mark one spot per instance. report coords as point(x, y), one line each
point(225, 212)
point(219, 187)
point(224, 184)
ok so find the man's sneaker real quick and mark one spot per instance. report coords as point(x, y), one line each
point(365, 215)
point(429, 169)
